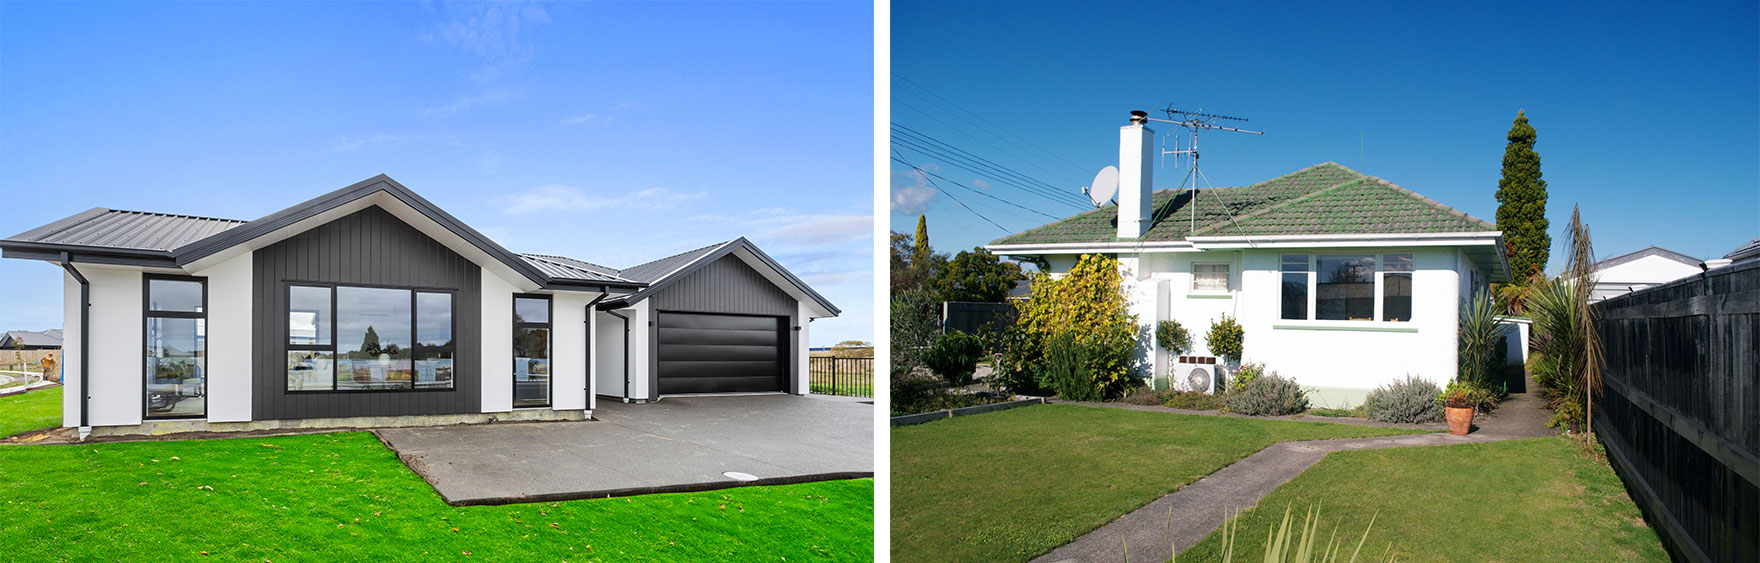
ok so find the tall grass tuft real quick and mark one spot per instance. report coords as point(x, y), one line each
point(1282, 545)
point(1568, 363)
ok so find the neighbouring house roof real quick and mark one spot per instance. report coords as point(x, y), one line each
point(1652, 250)
point(1324, 199)
point(20, 339)
point(666, 271)
point(174, 241)
point(1749, 250)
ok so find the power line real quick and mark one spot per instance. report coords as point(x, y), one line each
point(901, 158)
point(897, 127)
point(1021, 207)
point(1034, 160)
point(935, 148)
point(1073, 166)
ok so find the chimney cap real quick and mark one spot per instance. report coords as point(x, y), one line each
point(1139, 117)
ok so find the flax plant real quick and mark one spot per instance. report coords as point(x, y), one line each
point(1569, 363)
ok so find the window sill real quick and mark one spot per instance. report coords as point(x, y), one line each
point(1352, 326)
point(1211, 295)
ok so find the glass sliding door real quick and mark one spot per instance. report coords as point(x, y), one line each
point(176, 347)
point(531, 351)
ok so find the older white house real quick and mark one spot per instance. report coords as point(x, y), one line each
point(1342, 281)
point(369, 305)
point(1640, 269)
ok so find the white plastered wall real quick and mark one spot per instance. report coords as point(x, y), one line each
point(641, 317)
point(229, 339)
point(117, 374)
point(608, 355)
point(568, 349)
point(803, 350)
point(497, 343)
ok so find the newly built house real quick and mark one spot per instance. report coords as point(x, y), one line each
point(370, 305)
point(1341, 281)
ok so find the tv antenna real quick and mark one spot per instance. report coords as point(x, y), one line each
point(1193, 122)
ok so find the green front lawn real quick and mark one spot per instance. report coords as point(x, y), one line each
point(1014, 484)
point(31, 410)
point(345, 497)
point(1525, 500)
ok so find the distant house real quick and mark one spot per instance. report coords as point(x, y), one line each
point(1342, 281)
point(31, 340)
point(1637, 270)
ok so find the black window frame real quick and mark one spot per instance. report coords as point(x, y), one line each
point(147, 316)
point(549, 352)
point(414, 332)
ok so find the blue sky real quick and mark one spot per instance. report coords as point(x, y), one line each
point(1648, 113)
point(613, 133)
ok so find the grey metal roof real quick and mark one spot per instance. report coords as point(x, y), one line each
point(1745, 251)
point(138, 230)
point(1651, 250)
point(33, 339)
point(654, 271)
point(666, 271)
point(569, 268)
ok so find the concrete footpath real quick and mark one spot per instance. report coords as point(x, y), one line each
point(1190, 514)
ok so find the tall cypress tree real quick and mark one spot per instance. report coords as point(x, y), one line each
point(1521, 209)
point(920, 251)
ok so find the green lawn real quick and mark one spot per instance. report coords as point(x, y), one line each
point(859, 384)
point(345, 497)
point(34, 410)
point(1014, 484)
point(1526, 500)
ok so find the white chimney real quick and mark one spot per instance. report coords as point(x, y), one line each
point(1135, 196)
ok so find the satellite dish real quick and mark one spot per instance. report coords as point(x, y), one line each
point(1105, 186)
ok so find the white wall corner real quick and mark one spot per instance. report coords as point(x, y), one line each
point(497, 343)
point(802, 355)
point(229, 330)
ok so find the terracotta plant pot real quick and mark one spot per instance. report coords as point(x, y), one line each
point(1460, 420)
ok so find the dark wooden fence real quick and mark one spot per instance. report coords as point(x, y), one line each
point(1680, 412)
point(969, 317)
point(841, 376)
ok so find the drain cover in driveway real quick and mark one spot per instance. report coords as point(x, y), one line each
point(737, 476)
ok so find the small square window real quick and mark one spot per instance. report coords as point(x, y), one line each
point(1210, 277)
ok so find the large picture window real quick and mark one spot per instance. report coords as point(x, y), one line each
point(345, 338)
point(531, 351)
point(1347, 287)
point(176, 347)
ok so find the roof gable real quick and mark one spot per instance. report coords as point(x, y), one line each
point(1326, 198)
point(664, 272)
point(1646, 252)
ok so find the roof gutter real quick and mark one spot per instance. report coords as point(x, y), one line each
point(85, 349)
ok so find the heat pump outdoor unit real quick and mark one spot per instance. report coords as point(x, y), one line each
point(1196, 373)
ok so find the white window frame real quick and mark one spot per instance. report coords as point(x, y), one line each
point(1380, 288)
point(1227, 281)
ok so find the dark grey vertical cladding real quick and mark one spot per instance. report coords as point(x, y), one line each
point(369, 247)
point(727, 285)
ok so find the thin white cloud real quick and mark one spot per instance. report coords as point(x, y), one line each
point(910, 190)
point(586, 119)
point(808, 230)
point(492, 31)
point(980, 184)
point(349, 144)
point(558, 197)
point(490, 98)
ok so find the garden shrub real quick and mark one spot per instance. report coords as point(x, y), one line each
point(1245, 376)
point(914, 327)
point(1067, 361)
point(1226, 338)
point(1081, 315)
point(1481, 396)
point(954, 357)
point(1192, 400)
point(1172, 337)
point(1016, 368)
point(1409, 400)
point(1143, 396)
point(1269, 395)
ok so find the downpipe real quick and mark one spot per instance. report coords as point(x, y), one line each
point(85, 347)
point(590, 342)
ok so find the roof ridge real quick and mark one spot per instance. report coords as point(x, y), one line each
point(1433, 203)
point(1292, 201)
point(563, 261)
point(699, 249)
point(179, 215)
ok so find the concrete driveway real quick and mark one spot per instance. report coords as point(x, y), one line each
point(678, 444)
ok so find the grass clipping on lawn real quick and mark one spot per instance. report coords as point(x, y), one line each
point(1522, 500)
point(1015, 484)
point(345, 497)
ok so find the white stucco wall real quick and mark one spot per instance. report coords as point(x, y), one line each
point(229, 339)
point(497, 343)
point(568, 350)
point(117, 374)
point(641, 316)
point(608, 356)
point(1638, 274)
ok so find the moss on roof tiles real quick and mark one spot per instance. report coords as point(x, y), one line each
point(1326, 198)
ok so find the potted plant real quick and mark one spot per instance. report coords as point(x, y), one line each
point(1457, 405)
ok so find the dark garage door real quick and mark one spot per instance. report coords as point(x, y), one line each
point(709, 353)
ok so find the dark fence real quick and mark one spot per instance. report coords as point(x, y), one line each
point(841, 376)
point(968, 317)
point(1680, 412)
